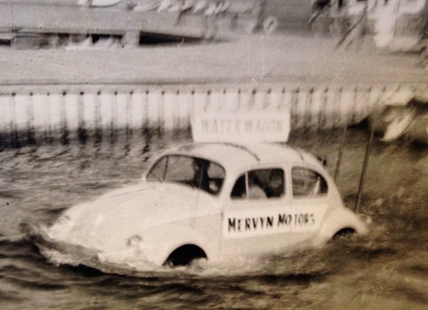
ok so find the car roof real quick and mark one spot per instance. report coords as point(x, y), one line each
point(237, 156)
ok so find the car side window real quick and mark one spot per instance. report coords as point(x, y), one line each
point(308, 183)
point(259, 184)
point(192, 171)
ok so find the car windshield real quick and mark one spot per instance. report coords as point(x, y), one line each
point(192, 171)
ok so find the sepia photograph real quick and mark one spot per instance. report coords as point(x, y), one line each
point(213, 154)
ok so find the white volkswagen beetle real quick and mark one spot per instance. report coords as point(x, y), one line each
point(215, 201)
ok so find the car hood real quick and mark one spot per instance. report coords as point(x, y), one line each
point(129, 211)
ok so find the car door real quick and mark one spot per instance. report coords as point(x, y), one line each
point(254, 219)
point(207, 220)
point(308, 204)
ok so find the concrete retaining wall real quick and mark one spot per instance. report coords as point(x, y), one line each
point(65, 113)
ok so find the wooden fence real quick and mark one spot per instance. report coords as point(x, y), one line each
point(69, 113)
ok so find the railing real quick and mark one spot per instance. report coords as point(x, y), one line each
point(69, 113)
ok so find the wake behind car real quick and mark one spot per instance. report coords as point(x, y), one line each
point(212, 200)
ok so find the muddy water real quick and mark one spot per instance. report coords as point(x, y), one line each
point(386, 270)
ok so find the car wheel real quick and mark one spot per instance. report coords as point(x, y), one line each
point(184, 255)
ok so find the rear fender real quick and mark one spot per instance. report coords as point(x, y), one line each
point(338, 219)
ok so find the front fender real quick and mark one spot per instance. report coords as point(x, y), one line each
point(159, 242)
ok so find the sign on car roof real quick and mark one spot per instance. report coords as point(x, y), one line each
point(242, 127)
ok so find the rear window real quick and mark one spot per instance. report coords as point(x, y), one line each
point(308, 183)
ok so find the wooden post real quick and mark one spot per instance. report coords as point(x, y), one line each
point(340, 155)
point(363, 173)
